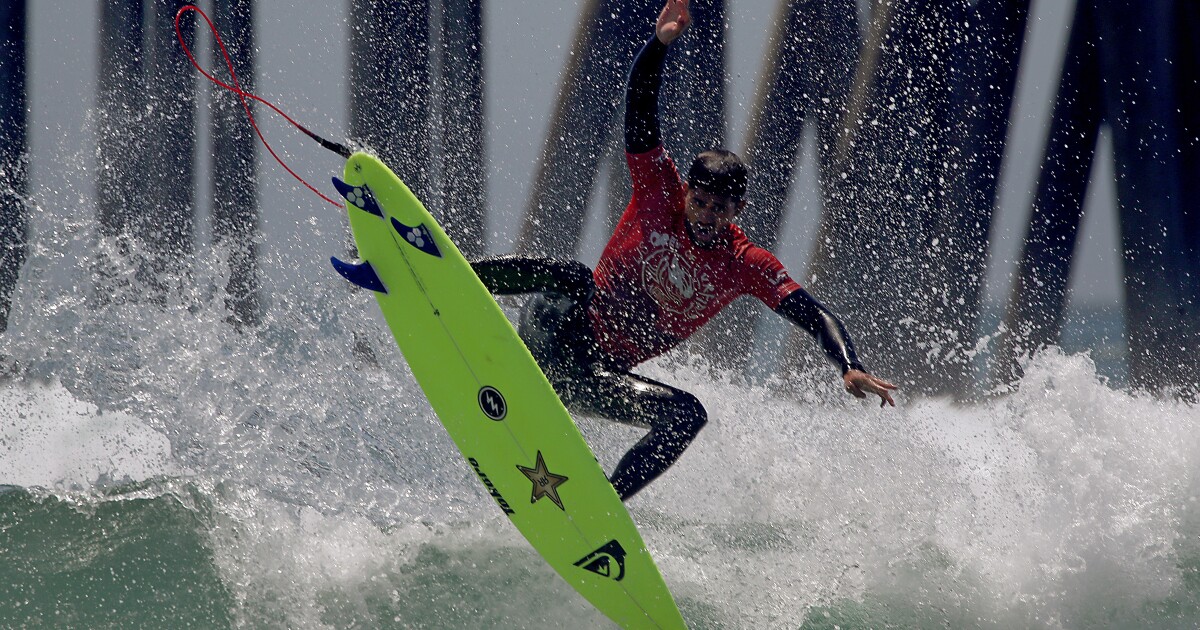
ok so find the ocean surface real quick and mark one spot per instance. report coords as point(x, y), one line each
point(160, 469)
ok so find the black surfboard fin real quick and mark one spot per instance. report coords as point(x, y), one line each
point(360, 197)
point(361, 274)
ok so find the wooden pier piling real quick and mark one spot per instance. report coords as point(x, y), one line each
point(14, 146)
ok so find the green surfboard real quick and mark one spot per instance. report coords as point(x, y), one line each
point(495, 402)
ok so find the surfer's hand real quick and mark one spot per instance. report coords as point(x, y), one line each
point(860, 384)
point(673, 21)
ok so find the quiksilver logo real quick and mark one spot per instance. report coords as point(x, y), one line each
point(491, 401)
point(491, 487)
point(607, 561)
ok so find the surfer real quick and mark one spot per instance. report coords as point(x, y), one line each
point(675, 259)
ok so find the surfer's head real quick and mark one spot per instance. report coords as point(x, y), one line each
point(716, 194)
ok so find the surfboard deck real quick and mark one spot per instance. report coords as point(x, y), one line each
point(495, 402)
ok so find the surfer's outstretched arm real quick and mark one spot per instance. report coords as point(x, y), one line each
point(641, 99)
point(645, 78)
point(805, 311)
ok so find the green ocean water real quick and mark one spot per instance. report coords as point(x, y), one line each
point(141, 556)
point(117, 560)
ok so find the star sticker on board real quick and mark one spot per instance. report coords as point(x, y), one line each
point(545, 483)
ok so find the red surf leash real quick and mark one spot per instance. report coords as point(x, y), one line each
point(236, 88)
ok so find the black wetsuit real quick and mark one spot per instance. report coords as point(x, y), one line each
point(555, 325)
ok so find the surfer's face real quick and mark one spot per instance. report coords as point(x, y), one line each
point(709, 215)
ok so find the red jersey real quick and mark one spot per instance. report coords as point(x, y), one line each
point(654, 287)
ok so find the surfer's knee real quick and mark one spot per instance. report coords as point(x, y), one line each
point(577, 271)
point(689, 415)
point(577, 281)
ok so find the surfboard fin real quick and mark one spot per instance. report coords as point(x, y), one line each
point(361, 274)
point(360, 197)
point(418, 237)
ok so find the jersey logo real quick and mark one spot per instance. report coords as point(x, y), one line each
point(607, 561)
point(676, 281)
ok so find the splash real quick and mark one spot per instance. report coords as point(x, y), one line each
point(50, 439)
point(1066, 504)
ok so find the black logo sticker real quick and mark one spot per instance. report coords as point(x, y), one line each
point(491, 487)
point(492, 403)
point(607, 561)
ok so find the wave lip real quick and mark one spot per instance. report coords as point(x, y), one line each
point(50, 439)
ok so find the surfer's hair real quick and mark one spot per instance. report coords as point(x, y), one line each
point(719, 172)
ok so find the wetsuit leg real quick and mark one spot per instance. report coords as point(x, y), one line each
point(508, 275)
point(555, 329)
point(673, 416)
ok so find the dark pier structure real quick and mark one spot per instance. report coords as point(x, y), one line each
point(416, 74)
point(14, 147)
point(909, 103)
point(119, 111)
point(234, 167)
point(147, 92)
point(1133, 66)
point(903, 241)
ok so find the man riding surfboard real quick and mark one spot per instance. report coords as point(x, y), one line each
point(675, 259)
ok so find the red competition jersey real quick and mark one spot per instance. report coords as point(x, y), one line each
point(654, 287)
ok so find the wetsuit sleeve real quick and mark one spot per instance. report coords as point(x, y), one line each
point(811, 315)
point(641, 98)
point(657, 186)
point(508, 275)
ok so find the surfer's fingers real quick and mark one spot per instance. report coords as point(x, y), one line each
point(675, 12)
point(880, 388)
